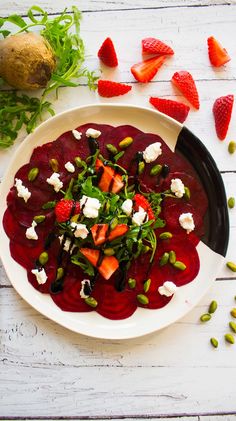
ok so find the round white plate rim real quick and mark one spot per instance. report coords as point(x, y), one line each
point(143, 321)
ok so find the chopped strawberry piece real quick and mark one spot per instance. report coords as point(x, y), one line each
point(118, 231)
point(184, 82)
point(217, 54)
point(145, 71)
point(99, 232)
point(222, 110)
point(140, 200)
point(110, 180)
point(108, 265)
point(155, 46)
point(108, 89)
point(107, 53)
point(65, 209)
point(174, 109)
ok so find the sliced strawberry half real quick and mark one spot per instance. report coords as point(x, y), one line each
point(109, 179)
point(118, 231)
point(145, 71)
point(184, 81)
point(107, 53)
point(65, 209)
point(152, 45)
point(108, 265)
point(108, 89)
point(174, 109)
point(100, 231)
point(218, 55)
point(222, 111)
point(140, 200)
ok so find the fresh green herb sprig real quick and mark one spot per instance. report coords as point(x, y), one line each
point(18, 110)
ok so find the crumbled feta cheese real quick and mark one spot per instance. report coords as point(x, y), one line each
point(152, 152)
point(93, 133)
point(77, 135)
point(186, 221)
point(79, 230)
point(55, 181)
point(90, 206)
point(69, 167)
point(22, 191)
point(127, 206)
point(40, 275)
point(85, 283)
point(177, 187)
point(167, 289)
point(67, 244)
point(30, 233)
point(140, 217)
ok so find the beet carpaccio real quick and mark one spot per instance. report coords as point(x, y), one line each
point(106, 219)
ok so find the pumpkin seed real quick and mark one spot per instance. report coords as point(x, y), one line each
point(132, 283)
point(112, 149)
point(214, 342)
point(126, 142)
point(141, 167)
point(164, 259)
point(179, 265)
point(49, 205)
point(113, 223)
point(39, 218)
point(143, 299)
point(232, 325)
point(43, 258)
point(78, 162)
point(229, 338)
point(187, 193)
point(54, 164)
point(212, 307)
point(146, 285)
point(91, 302)
point(60, 273)
point(33, 173)
point(205, 317)
point(109, 251)
point(145, 249)
point(233, 313)
point(156, 169)
point(231, 266)
point(172, 257)
point(232, 147)
point(165, 235)
point(231, 202)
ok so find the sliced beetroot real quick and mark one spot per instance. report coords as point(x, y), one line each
point(25, 256)
point(172, 213)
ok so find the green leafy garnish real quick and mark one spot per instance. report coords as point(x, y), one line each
point(20, 110)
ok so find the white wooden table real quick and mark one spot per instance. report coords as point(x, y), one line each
point(48, 372)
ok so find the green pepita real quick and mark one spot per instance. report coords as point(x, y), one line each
point(172, 257)
point(91, 302)
point(229, 338)
point(146, 285)
point(141, 167)
point(212, 307)
point(231, 202)
point(126, 142)
point(132, 283)
point(113, 223)
point(143, 299)
point(78, 162)
point(43, 258)
point(187, 193)
point(145, 249)
point(112, 149)
point(109, 251)
point(231, 266)
point(54, 164)
point(214, 342)
point(164, 259)
point(156, 169)
point(39, 218)
point(232, 325)
point(60, 273)
point(165, 235)
point(232, 147)
point(33, 173)
point(49, 205)
point(205, 317)
point(179, 265)
point(233, 313)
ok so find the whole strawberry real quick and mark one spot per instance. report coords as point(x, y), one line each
point(65, 209)
point(222, 110)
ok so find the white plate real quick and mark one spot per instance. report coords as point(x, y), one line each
point(143, 321)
